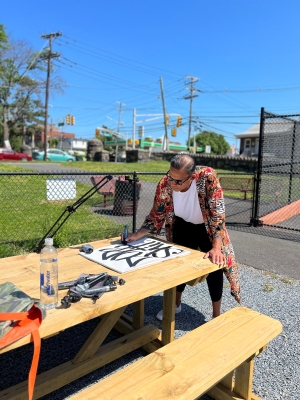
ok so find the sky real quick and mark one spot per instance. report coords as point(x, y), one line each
point(243, 54)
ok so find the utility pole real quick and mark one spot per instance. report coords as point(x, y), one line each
point(133, 129)
point(165, 115)
point(49, 55)
point(118, 129)
point(191, 96)
point(120, 111)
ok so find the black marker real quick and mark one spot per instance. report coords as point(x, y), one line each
point(125, 234)
point(101, 289)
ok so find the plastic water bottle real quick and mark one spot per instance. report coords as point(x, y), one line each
point(49, 275)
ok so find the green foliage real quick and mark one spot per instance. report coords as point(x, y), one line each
point(53, 142)
point(16, 142)
point(217, 142)
point(21, 84)
point(3, 37)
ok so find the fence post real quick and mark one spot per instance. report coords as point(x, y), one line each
point(292, 163)
point(255, 202)
point(135, 179)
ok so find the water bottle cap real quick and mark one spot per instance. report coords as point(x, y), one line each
point(49, 242)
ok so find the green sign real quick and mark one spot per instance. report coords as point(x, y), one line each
point(61, 124)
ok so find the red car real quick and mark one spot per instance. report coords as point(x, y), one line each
point(11, 155)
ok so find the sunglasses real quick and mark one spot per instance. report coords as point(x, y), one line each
point(176, 181)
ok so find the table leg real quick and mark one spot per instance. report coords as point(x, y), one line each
point(243, 379)
point(138, 314)
point(98, 336)
point(168, 323)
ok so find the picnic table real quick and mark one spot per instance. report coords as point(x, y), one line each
point(23, 271)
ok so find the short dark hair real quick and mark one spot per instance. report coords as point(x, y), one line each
point(185, 162)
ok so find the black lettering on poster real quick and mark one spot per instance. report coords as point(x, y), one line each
point(133, 255)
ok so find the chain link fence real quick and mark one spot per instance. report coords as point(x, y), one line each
point(277, 193)
point(79, 207)
point(74, 207)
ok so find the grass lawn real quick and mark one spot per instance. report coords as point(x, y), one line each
point(26, 214)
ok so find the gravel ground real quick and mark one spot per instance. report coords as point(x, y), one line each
point(277, 371)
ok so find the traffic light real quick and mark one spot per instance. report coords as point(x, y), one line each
point(129, 141)
point(179, 119)
point(137, 142)
point(72, 120)
point(173, 132)
point(167, 119)
point(68, 119)
point(97, 132)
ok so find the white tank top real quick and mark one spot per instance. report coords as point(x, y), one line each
point(186, 205)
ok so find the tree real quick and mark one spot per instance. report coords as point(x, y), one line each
point(217, 142)
point(3, 37)
point(21, 88)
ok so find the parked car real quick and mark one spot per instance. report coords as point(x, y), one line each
point(78, 154)
point(53, 155)
point(11, 155)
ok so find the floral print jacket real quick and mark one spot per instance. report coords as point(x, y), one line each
point(211, 202)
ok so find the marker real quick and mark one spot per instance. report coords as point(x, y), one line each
point(101, 289)
point(125, 234)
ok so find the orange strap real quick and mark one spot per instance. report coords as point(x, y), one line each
point(29, 323)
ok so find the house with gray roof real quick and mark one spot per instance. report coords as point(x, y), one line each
point(278, 137)
point(249, 141)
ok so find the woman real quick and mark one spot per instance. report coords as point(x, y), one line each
point(189, 202)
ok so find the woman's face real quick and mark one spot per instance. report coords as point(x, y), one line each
point(179, 180)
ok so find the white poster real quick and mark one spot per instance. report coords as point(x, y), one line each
point(124, 258)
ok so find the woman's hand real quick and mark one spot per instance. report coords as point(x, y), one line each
point(216, 256)
point(133, 237)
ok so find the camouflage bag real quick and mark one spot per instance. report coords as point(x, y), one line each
point(21, 315)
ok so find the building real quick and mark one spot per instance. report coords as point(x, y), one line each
point(249, 141)
point(53, 132)
point(274, 130)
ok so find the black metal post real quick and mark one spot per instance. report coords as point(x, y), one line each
point(292, 163)
point(255, 201)
point(135, 179)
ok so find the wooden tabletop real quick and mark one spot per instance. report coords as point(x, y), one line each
point(23, 271)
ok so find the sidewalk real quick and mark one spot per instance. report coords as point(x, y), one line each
point(266, 253)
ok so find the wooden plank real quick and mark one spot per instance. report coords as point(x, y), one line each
point(60, 376)
point(228, 381)
point(168, 322)
point(98, 335)
point(220, 392)
point(124, 327)
point(194, 363)
point(23, 270)
point(254, 397)
point(243, 379)
point(194, 282)
point(138, 314)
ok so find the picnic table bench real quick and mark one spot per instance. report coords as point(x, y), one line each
point(106, 190)
point(239, 184)
point(122, 190)
point(217, 358)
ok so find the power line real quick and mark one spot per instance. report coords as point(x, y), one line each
point(126, 58)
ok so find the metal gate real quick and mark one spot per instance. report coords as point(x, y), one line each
point(276, 200)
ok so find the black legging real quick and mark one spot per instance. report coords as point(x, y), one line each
point(196, 237)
